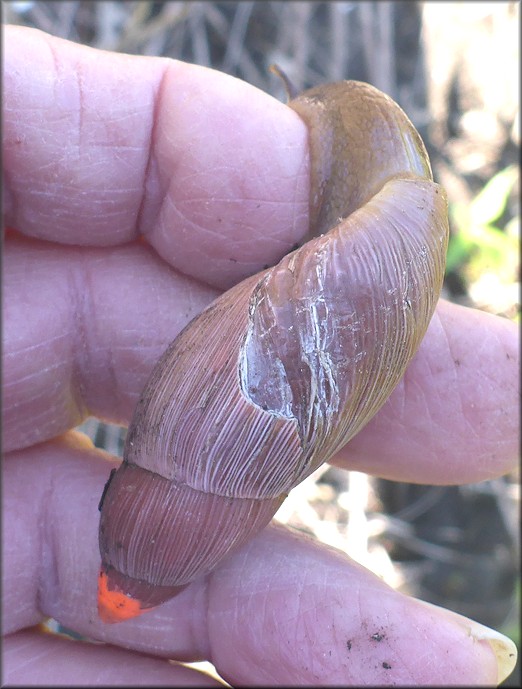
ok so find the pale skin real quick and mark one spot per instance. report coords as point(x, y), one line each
point(139, 189)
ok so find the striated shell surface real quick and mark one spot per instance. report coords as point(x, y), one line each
point(284, 368)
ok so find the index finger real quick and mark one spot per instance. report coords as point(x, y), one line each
point(100, 148)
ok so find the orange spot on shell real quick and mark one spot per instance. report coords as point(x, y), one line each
point(114, 605)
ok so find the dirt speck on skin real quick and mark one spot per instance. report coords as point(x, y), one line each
point(386, 666)
point(378, 636)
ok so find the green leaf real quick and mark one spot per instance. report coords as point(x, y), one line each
point(490, 202)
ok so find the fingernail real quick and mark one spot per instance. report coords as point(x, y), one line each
point(504, 649)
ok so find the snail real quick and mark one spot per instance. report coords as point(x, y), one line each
point(284, 368)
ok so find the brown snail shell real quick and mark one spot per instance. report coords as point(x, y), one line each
point(283, 369)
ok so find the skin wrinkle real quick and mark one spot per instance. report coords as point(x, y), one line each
point(44, 167)
point(426, 659)
point(191, 222)
point(131, 348)
point(78, 75)
point(231, 203)
point(358, 605)
point(8, 195)
point(449, 348)
point(34, 659)
point(151, 163)
point(20, 643)
point(30, 348)
point(50, 591)
point(483, 346)
point(42, 412)
point(396, 657)
point(490, 377)
point(187, 220)
point(302, 613)
point(308, 625)
point(81, 302)
point(81, 142)
point(57, 83)
point(198, 631)
point(463, 407)
point(423, 405)
point(32, 436)
point(244, 599)
point(34, 374)
point(217, 169)
point(466, 414)
point(205, 628)
point(302, 170)
point(51, 47)
point(46, 575)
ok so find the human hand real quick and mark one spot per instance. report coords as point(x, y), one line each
point(132, 184)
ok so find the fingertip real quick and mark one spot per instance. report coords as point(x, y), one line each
point(250, 171)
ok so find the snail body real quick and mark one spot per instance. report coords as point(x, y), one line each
point(284, 368)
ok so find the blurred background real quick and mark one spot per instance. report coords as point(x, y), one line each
point(454, 68)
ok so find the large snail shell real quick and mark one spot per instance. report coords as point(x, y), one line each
point(284, 368)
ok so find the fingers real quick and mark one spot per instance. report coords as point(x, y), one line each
point(99, 148)
point(83, 328)
point(322, 619)
point(34, 658)
point(318, 617)
point(96, 353)
point(454, 416)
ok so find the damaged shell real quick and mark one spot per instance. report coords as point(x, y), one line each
point(283, 369)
